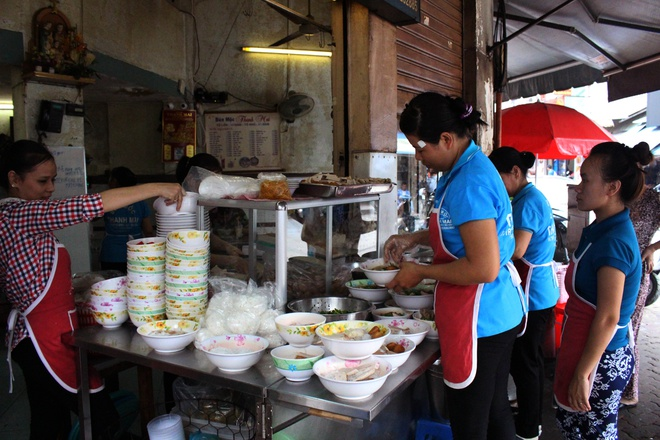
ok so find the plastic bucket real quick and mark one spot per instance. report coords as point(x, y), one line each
point(436, 390)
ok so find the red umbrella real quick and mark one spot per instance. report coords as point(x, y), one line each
point(551, 131)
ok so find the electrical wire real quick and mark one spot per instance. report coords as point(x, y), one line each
point(197, 46)
point(224, 43)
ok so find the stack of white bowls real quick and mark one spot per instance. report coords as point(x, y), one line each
point(108, 302)
point(166, 427)
point(186, 274)
point(168, 219)
point(145, 289)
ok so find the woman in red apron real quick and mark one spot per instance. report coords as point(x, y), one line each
point(35, 274)
point(535, 247)
point(595, 359)
point(479, 305)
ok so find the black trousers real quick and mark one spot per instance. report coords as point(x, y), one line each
point(527, 370)
point(481, 410)
point(51, 405)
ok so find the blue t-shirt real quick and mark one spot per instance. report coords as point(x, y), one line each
point(122, 225)
point(613, 244)
point(475, 191)
point(532, 213)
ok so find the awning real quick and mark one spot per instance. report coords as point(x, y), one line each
point(555, 45)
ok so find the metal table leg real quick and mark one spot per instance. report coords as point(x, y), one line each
point(84, 407)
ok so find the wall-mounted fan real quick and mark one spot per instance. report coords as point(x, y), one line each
point(307, 26)
point(295, 105)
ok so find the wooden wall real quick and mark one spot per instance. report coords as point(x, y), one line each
point(430, 53)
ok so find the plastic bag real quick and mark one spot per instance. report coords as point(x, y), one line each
point(218, 186)
point(241, 307)
point(274, 186)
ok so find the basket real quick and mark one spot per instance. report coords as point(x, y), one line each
point(215, 417)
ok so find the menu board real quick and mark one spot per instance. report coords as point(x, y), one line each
point(244, 141)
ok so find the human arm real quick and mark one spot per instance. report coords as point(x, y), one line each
point(647, 256)
point(218, 245)
point(523, 238)
point(481, 263)
point(610, 282)
point(119, 197)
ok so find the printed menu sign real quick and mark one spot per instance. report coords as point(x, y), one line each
point(244, 141)
point(179, 131)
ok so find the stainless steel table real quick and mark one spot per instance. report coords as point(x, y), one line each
point(261, 381)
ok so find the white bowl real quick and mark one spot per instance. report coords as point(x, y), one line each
point(433, 332)
point(396, 359)
point(374, 270)
point(391, 312)
point(367, 290)
point(296, 363)
point(234, 353)
point(139, 318)
point(188, 204)
point(186, 239)
point(110, 319)
point(298, 328)
point(413, 302)
point(333, 335)
point(414, 330)
point(170, 335)
point(146, 244)
point(329, 372)
point(112, 286)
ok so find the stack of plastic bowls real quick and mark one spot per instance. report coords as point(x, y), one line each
point(168, 219)
point(166, 427)
point(186, 274)
point(145, 289)
point(108, 302)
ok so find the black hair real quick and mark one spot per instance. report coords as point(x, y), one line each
point(619, 162)
point(505, 158)
point(430, 114)
point(21, 157)
point(123, 176)
point(202, 160)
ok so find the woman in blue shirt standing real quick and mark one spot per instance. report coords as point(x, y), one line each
point(595, 360)
point(478, 300)
point(534, 230)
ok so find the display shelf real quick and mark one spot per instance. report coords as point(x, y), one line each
point(57, 79)
point(280, 207)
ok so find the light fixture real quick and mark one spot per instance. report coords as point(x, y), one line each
point(6, 106)
point(277, 51)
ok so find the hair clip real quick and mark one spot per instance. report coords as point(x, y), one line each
point(421, 144)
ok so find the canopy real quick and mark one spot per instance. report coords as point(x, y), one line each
point(551, 131)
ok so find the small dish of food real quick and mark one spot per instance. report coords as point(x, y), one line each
point(170, 335)
point(390, 312)
point(367, 290)
point(352, 339)
point(352, 379)
point(427, 316)
point(379, 271)
point(396, 349)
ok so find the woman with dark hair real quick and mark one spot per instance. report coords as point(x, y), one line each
point(124, 224)
point(534, 231)
point(35, 275)
point(645, 215)
point(478, 300)
point(596, 360)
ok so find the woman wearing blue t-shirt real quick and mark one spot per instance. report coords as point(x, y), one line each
point(595, 360)
point(123, 224)
point(478, 300)
point(534, 230)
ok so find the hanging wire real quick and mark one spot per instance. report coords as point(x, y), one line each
point(500, 52)
point(196, 54)
point(224, 43)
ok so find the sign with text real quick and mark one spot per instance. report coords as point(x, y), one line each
point(244, 141)
point(398, 12)
point(179, 134)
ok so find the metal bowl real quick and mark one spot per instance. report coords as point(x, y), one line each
point(357, 309)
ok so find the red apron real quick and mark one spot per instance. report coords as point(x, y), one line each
point(456, 313)
point(52, 314)
point(578, 317)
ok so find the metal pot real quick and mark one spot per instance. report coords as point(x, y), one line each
point(358, 309)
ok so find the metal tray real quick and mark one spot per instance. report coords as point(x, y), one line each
point(319, 190)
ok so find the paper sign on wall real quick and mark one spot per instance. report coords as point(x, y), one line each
point(244, 141)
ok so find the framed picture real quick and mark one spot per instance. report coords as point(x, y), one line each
point(179, 134)
point(51, 38)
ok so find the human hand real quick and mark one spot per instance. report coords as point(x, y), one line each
point(407, 277)
point(172, 193)
point(395, 246)
point(578, 393)
point(647, 259)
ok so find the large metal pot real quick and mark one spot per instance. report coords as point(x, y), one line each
point(357, 309)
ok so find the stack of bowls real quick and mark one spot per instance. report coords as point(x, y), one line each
point(145, 289)
point(186, 274)
point(168, 219)
point(108, 302)
point(296, 360)
point(166, 427)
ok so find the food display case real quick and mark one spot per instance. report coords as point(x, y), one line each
point(281, 208)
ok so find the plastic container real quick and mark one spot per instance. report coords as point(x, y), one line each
point(432, 430)
point(436, 389)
